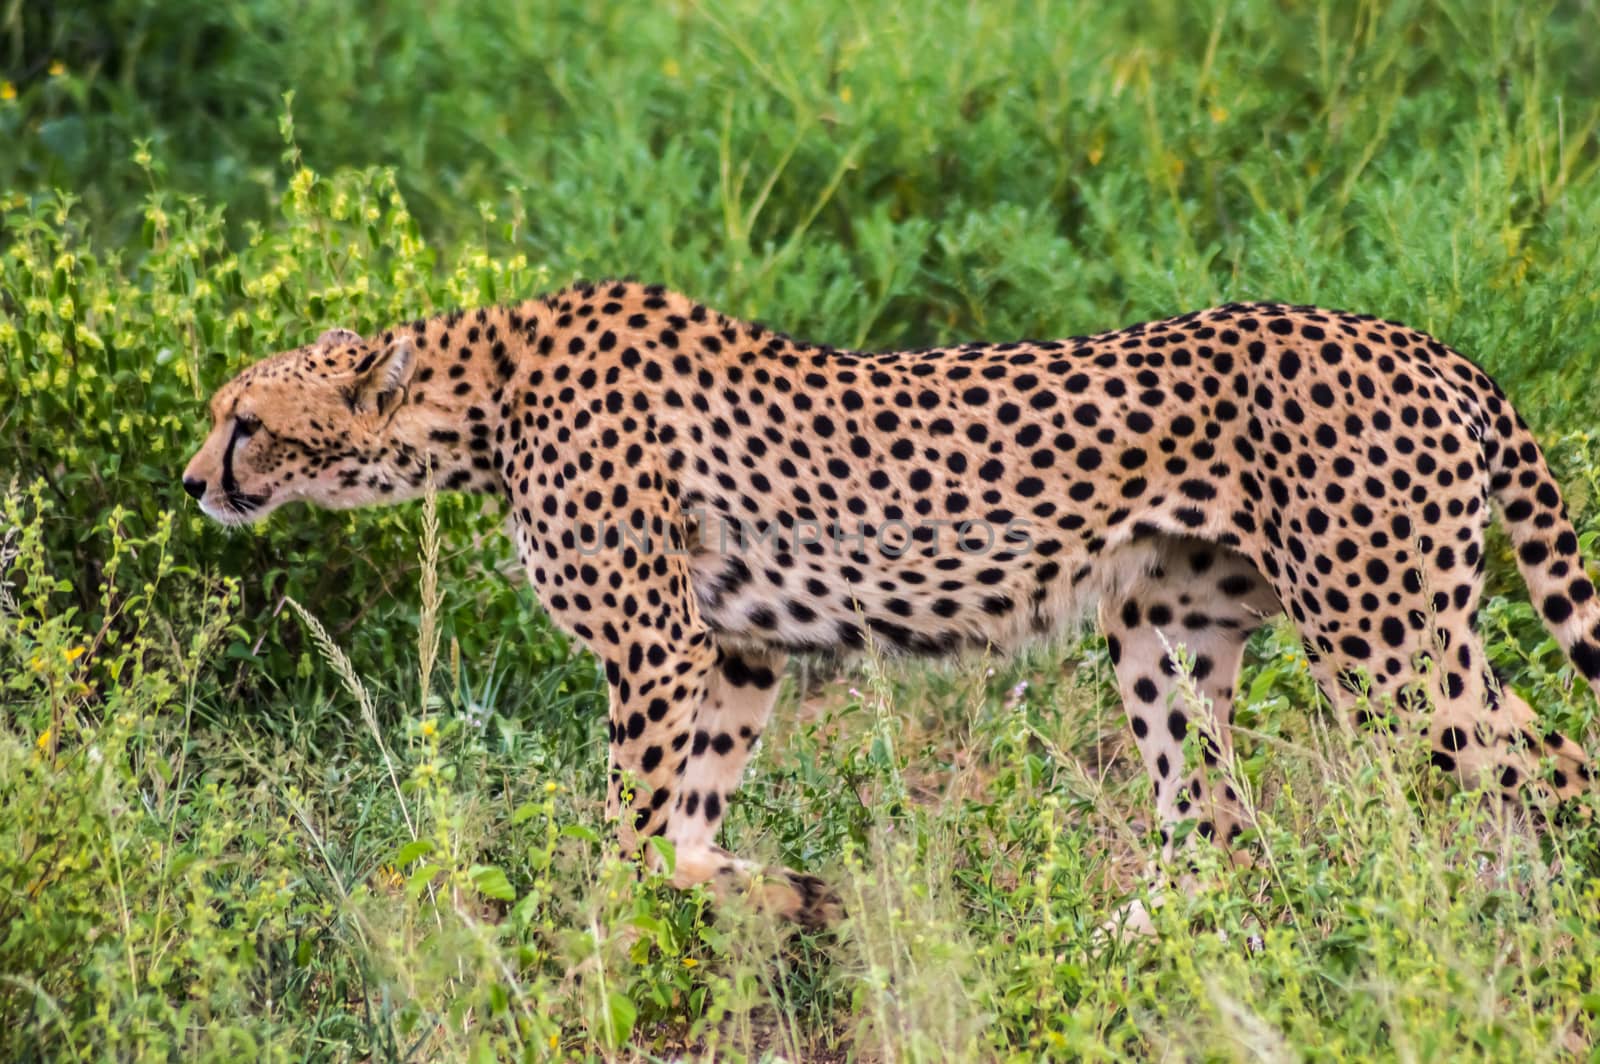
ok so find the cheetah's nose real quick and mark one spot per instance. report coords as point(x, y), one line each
point(194, 486)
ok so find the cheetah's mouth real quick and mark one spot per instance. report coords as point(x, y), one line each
point(237, 508)
point(244, 505)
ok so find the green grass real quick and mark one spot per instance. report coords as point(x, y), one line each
point(221, 838)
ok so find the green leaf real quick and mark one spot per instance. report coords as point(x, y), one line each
point(667, 852)
point(648, 924)
point(418, 881)
point(620, 1013)
point(491, 882)
point(411, 851)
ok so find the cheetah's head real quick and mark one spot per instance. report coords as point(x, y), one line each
point(317, 423)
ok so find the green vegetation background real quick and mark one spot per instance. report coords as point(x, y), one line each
point(867, 173)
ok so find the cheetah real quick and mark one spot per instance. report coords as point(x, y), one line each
point(697, 497)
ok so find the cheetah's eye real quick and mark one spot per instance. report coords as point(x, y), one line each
point(247, 424)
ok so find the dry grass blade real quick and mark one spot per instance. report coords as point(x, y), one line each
point(339, 661)
point(428, 622)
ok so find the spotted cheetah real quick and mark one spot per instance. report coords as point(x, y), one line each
point(697, 497)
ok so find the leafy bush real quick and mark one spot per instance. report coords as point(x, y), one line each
point(222, 837)
point(108, 373)
point(169, 888)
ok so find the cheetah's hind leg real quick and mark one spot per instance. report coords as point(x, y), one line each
point(1198, 605)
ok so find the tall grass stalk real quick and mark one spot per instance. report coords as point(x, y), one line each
point(340, 663)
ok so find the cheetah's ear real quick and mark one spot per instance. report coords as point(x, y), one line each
point(335, 337)
point(379, 387)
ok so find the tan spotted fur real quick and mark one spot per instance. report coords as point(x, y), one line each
point(1186, 479)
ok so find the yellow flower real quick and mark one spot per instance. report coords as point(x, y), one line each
point(57, 68)
point(43, 741)
point(8, 91)
point(1097, 149)
point(669, 67)
point(690, 962)
point(845, 95)
point(429, 728)
point(551, 787)
point(75, 653)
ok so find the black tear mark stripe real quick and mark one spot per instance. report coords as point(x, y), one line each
point(236, 499)
point(230, 485)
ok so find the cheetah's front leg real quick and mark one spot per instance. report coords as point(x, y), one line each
point(739, 699)
point(684, 712)
point(684, 716)
point(683, 725)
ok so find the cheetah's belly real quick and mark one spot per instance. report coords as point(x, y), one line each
point(935, 598)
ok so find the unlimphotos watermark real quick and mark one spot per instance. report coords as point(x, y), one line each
point(890, 538)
